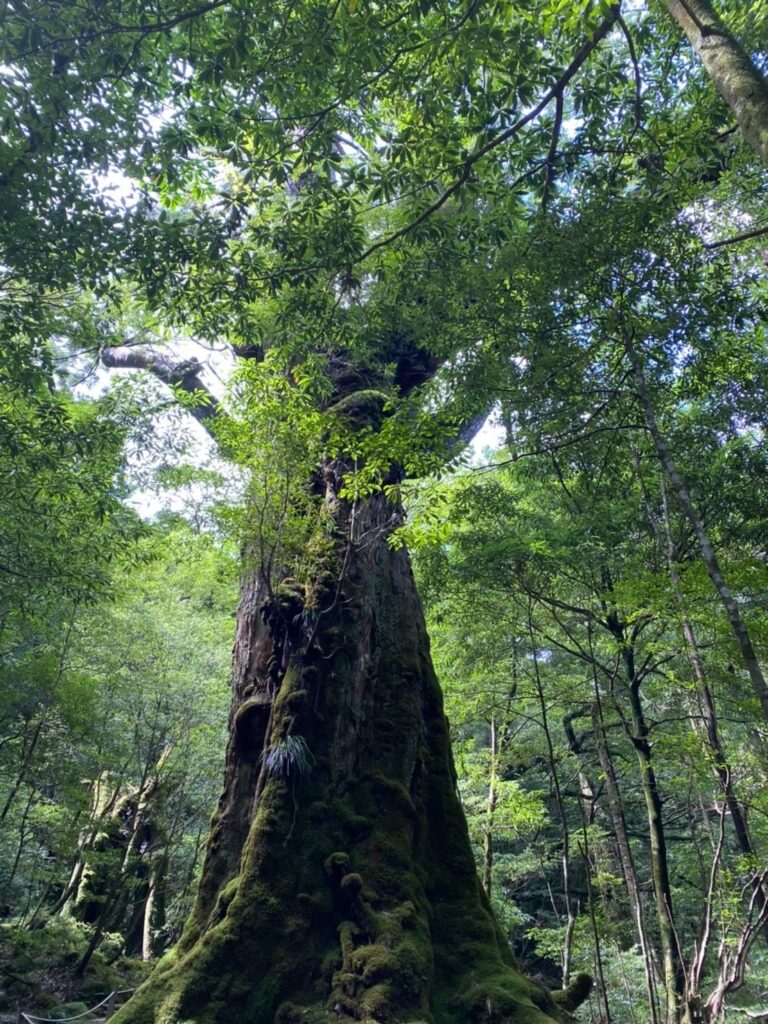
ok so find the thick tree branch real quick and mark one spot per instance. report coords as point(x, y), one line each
point(549, 178)
point(744, 237)
point(182, 375)
point(732, 72)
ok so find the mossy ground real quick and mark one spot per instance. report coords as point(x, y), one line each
point(36, 968)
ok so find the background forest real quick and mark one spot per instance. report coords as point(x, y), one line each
point(544, 225)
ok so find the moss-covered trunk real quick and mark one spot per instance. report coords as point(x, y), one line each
point(733, 73)
point(339, 881)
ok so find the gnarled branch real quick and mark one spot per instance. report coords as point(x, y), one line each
point(181, 375)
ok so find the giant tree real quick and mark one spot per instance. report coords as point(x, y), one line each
point(339, 193)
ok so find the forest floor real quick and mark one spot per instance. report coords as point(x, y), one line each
point(37, 971)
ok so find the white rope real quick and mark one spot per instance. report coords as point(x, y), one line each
point(30, 1019)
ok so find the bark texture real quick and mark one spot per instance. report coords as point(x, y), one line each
point(728, 65)
point(339, 881)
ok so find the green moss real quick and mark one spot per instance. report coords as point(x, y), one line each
point(357, 825)
point(330, 964)
point(290, 702)
point(336, 865)
point(348, 931)
point(224, 899)
point(351, 885)
point(70, 1010)
point(292, 1013)
point(405, 914)
point(289, 597)
point(393, 792)
point(503, 998)
point(289, 1013)
point(373, 962)
point(575, 994)
point(361, 408)
point(313, 905)
point(357, 894)
point(378, 1002)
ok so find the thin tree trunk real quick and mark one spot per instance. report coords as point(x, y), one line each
point(29, 923)
point(190, 875)
point(31, 747)
point(733, 74)
point(22, 835)
point(616, 810)
point(711, 561)
point(490, 811)
point(153, 906)
point(706, 725)
point(711, 730)
point(570, 917)
point(112, 907)
point(734, 954)
point(29, 751)
point(639, 737)
point(602, 988)
point(93, 945)
point(63, 904)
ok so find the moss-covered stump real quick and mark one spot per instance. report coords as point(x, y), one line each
point(339, 881)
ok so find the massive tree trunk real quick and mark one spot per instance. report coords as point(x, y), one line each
point(339, 883)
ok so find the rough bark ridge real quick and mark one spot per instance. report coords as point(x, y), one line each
point(339, 882)
point(734, 75)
